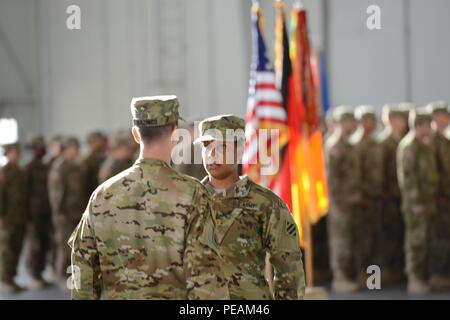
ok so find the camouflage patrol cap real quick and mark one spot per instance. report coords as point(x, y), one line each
point(11, 146)
point(222, 128)
point(36, 142)
point(122, 138)
point(343, 112)
point(438, 107)
point(363, 112)
point(389, 110)
point(419, 116)
point(71, 141)
point(95, 135)
point(155, 111)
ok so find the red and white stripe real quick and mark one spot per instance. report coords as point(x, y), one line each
point(265, 104)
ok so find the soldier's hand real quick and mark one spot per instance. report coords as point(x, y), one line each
point(418, 208)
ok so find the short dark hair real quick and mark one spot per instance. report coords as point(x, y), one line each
point(152, 134)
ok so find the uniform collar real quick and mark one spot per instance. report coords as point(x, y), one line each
point(151, 162)
point(238, 190)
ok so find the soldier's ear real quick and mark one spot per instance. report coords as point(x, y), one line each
point(136, 135)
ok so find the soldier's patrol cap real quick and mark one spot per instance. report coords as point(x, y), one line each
point(392, 109)
point(95, 135)
point(155, 111)
point(11, 146)
point(343, 112)
point(71, 141)
point(419, 115)
point(220, 128)
point(438, 107)
point(364, 112)
point(36, 143)
point(121, 138)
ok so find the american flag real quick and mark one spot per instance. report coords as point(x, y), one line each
point(265, 108)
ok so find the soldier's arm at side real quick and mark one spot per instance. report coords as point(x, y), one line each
point(334, 173)
point(282, 242)
point(408, 177)
point(204, 276)
point(85, 261)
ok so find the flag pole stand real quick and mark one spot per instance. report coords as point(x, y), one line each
point(311, 292)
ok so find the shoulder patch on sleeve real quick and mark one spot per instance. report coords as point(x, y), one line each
point(291, 228)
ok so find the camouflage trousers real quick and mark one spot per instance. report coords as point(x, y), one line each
point(39, 231)
point(342, 237)
point(63, 230)
point(11, 243)
point(367, 234)
point(392, 236)
point(417, 241)
point(440, 240)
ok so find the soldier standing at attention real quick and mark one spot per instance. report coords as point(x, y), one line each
point(344, 191)
point(418, 181)
point(40, 223)
point(13, 216)
point(367, 223)
point(66, 193)
point(147, 233)
point(56, 149)
point(440, 229)
point(92, 161)
point(391, 241)
point(250, 220)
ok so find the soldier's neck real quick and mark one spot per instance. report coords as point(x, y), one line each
point(224, 184)
point(155, 151)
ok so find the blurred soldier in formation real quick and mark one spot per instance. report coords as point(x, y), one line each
point(194, 152)
point(67, 193)
point(440, 229)
point(391, 241)
point(120, 157)
point(418, 181)
point(13, 216)
point(56, 148)
point(344, 192)
point(367, 219)
point(39, 222)
point(148, 232)
point(250, 220)
point(92, 162)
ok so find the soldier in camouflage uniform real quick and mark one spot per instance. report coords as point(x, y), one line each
point(367, 214)
point(344, 192)
point(66, 193)
point(391, 240)
point(120, 158)
point(13, 216)
point(418, 181)
point(39, 222)
point(147, 233)
point(440, 229)
point(250, 220)
point(56, 149)
point(92, 162)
